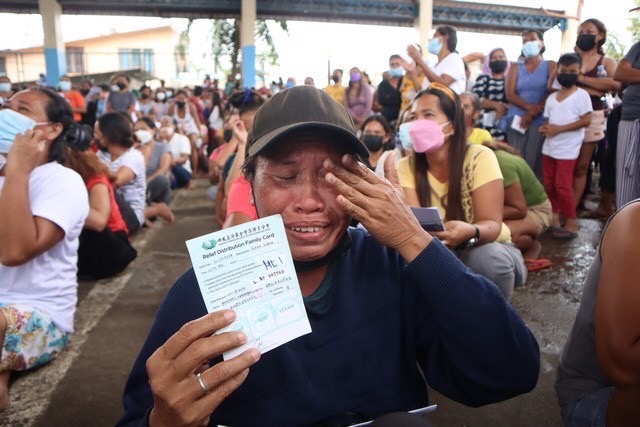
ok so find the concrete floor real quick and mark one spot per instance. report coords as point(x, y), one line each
point(83, 386)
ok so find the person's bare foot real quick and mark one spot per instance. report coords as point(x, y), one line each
point(165, 212)
point(192, 185)
point(4, 390)
point(534, 251)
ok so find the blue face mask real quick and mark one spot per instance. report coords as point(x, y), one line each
point(403, 135)
point(11, 124)
point(531, 49)
point(435, 46)
point(64, 85)
point(396, 72)
point(5, 87)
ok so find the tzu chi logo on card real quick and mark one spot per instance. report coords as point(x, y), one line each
point(209, 244)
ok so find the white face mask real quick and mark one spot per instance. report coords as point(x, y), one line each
point(144, 136)
point(168, 130)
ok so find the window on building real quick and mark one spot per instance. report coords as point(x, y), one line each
point(75, 60)
point(3, 65)
point(147, 63)
point(136, 58)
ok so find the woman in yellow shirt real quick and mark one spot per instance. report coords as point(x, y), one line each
point(464, 182)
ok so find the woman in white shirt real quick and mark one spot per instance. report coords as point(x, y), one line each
point(43, 206)
point(114, 138)
point(449, 71)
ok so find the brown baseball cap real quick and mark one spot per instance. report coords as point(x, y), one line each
point(301, 108)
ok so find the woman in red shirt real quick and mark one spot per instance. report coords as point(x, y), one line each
point(104, 243)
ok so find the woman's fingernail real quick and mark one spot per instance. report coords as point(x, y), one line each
point(229, 315)
point(242, 337)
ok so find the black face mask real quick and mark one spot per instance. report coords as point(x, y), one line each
point(586, 42)
point(144, 96)
point(180, 104)
point(84, 92)
point(567, 80)
point(121, 85)
point(372, 142)
point(102, 148)
point(498, 67)
point(335, 79)
point(227, 134)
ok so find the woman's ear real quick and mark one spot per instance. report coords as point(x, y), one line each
point(54, 130)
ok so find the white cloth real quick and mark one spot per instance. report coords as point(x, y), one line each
point(566, 145)
point(186, 124)
point(453, 66)
point(379, 170)
point(215, 119)
point(48, 282)
point(180, 144)
point(133, 192)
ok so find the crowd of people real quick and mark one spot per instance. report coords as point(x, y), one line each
point(503, 159)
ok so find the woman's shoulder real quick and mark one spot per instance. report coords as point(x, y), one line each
point(55, 172)
point(476, 149)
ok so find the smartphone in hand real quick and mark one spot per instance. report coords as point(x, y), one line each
point(429, 218)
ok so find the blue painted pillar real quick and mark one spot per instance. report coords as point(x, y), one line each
point(247, 42)
point(54, 53)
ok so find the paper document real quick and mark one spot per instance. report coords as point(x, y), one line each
point(515, 125)
point(249, 269)
point(489, 119)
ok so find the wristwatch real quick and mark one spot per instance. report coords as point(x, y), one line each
point(475, 239)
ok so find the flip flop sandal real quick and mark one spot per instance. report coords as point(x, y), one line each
point(563, 235)
point(537, 264)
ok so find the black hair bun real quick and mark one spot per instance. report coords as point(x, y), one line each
point(79, 136)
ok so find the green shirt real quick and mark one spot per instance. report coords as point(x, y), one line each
point(515, 169)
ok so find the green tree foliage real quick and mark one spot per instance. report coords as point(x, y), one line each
point(614, 47)
point(634, 26)
point(226, 42)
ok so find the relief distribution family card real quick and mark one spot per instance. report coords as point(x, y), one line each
point(248, 268)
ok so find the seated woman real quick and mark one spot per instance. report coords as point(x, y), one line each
point(470, 103)
point(114, 138)
point(464, 182)
point(527, 209)
point(376, 134)
point(390, 311)
point(157, 155)
point(598, 379)
point(104, 243)
point(238, 206)
point(180, 152)
point(43, 206)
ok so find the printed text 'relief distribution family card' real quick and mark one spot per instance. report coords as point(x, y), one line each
point(249, 269)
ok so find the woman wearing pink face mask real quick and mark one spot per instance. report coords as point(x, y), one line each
point(464, 182)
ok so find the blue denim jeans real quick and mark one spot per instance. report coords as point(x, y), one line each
point(590, 411)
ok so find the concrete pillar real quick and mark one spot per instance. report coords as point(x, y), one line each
point(247, 41)
point(54, 53)
point(568, 41)
point(424, 24)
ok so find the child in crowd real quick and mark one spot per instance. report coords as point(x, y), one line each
point(567, 112)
